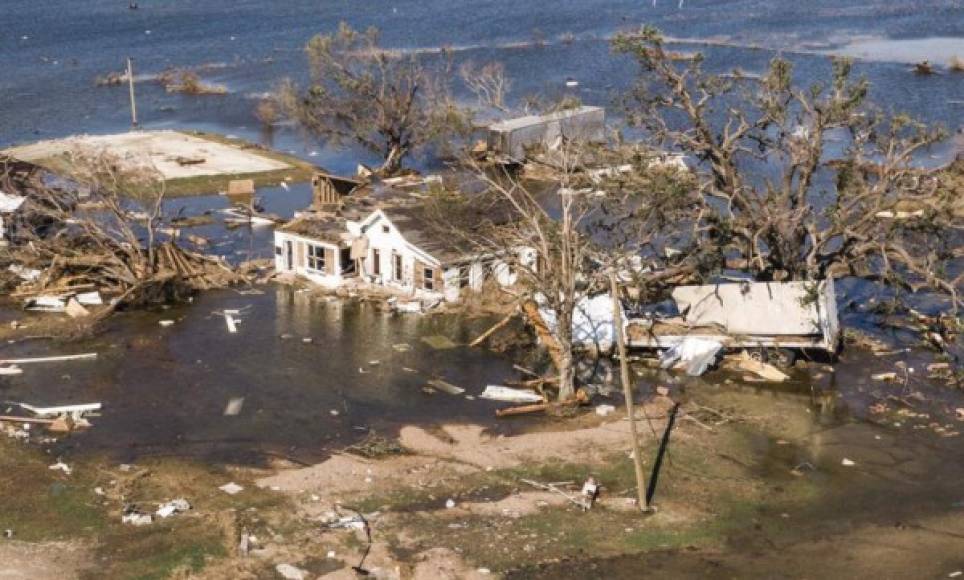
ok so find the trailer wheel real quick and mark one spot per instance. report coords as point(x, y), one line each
point(758, 354)
point(782, 357)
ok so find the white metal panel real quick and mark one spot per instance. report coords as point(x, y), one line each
point(755, 308)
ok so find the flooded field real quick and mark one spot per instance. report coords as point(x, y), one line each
point(832, 474)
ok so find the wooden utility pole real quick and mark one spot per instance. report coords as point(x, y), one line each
point(130, 83)
point(628, 393)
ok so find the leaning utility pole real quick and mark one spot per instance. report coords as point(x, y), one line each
point(130, 83)
point(628, 393)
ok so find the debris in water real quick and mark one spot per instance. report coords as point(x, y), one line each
point(847, 462)
point(761, 369)
point(231, 321)
point(234, 407)
point(439, 342)
point(44, 359)
point(447, 387)
point(500, 393)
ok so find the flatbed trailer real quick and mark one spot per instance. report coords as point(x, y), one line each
point(746, 315)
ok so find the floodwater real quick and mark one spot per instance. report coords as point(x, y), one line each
point(165, 390)
point(52, 53)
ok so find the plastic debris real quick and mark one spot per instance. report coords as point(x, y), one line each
point(233, 407)
point(136, 518)
point(696, 355)
point(450, 503)
point(500, 393)
point(605, 410)
point(231, 488)
point(847, 462)
point(173, 507)
point(61, 466)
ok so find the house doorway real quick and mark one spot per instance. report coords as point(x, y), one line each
point(345, 263)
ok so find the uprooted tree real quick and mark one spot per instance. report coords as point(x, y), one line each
point(99, 230)
point(799, 184)
point(391, 103)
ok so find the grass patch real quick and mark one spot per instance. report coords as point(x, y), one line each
point(44, 505)
point(159, 550)
point(40, 504)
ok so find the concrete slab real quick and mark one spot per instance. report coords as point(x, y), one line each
point(163, 149)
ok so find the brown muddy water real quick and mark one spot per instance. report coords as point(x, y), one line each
point(315, 374)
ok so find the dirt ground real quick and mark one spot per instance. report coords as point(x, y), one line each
point(162, 148)
point(43, 561)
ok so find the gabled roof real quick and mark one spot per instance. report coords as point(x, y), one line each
point(418, 229)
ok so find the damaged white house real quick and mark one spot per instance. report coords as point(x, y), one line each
point(390, 245)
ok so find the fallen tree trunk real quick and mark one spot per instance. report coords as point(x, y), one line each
point(531, 310)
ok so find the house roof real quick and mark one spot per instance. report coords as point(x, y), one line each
point(418, 229)
point(324, 228)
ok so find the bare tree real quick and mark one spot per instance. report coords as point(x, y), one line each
point(388, 102)
point(773, 189)
point(563, 235)
point(489, 83)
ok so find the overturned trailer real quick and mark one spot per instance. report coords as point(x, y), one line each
point(775, 318)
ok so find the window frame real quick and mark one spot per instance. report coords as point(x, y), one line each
point(428, 279)
point(397, 267)
point(315, 255)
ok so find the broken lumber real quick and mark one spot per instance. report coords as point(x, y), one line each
point(44, 359)
point(522, 410)
point(493, 329)
point(553, 488)
point(445, 387)
point(76, 410)
point(763, 370)
point(12, 419)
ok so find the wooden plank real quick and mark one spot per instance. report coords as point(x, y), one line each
point(45, 359)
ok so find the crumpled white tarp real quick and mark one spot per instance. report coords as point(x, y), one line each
point(697, 354)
